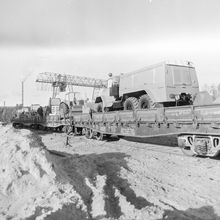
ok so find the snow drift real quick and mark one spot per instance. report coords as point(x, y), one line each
point(27, 179)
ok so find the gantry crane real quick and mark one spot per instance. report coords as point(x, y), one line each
point(60, 82)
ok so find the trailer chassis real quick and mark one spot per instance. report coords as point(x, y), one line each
point(197, 127)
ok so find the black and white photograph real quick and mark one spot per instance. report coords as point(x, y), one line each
point(109, 110)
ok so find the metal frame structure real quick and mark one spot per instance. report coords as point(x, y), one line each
point(197, 127)
point(59, 82)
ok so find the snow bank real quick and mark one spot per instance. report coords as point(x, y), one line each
point(28, 180)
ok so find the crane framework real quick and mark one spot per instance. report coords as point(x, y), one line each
point(60, 82)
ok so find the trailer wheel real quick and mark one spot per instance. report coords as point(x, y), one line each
point(78, 131)
point(18, 125)
point(131, 103)
point(68, 129)
point(185, 143)
point(145, 102)
point(89, 133)
point(99, 136)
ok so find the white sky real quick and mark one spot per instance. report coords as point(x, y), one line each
point(95, 37)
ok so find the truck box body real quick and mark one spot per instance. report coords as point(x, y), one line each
point(160, 81)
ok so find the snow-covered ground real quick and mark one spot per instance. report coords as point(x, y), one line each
point(28, 185)
point(114, 179)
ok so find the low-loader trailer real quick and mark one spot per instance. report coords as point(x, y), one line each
point(197, 127)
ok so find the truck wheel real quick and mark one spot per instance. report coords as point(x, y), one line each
point(131, 103)
point(99, 107)
point(64, 108)
point(145, 102)
point(67, 129)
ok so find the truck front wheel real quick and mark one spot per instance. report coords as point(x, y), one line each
point(145, 102)
point(131, 103)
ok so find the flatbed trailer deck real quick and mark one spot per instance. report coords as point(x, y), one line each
point(55, 124)
point(197, 127)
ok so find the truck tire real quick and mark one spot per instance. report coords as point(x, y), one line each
point(145, 102)
point(64, 108)
point(131, 103)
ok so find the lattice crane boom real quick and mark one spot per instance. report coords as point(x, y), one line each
point(61, 81)
point(53, 78)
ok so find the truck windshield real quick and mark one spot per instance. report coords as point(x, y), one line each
point(181, 75)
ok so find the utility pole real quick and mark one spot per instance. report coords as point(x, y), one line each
point(22, 88)
point(22, 93)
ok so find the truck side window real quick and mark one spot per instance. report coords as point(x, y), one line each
point(110, 82)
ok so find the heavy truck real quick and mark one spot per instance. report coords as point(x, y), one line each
point(163, 84)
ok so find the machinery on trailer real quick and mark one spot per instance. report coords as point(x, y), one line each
point(71, 105)
point(62, 82)
point(163, 84)
point(28, 117)
point(57, 114)
point(41, 117)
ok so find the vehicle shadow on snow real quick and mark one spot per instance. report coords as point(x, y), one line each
point(203, 213)
point(216, 157)
point(170, 141)
point(75, 168)
point(43, 132)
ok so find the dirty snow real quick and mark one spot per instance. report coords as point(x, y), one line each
point(27, 179)
point(88, 179)
point(98, 202)
point(130, 212)
point(172, 182)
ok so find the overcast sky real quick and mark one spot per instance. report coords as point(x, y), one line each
point(95, 37)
